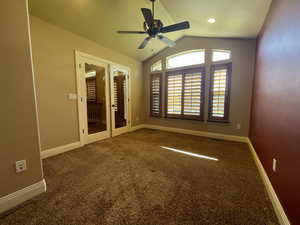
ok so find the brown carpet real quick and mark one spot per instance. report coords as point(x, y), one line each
point(130, 179)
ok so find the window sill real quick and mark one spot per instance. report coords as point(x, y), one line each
point(218, 121)
point(202, 121)
point(186, 118)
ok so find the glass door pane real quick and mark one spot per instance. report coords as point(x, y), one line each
point(120, 98)
point(95, 80)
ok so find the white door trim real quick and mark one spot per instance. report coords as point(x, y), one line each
point(127, 71)
point(78, 55)
point(79, 97)
point(80, 59)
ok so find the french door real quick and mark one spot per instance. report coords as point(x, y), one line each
point(93, 85)
point(103, 98)
point(120, 100)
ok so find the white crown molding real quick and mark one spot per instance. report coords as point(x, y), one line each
point(9, 201)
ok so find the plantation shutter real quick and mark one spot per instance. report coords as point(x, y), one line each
point(193, 94)
point(115, 96)
point(185, 94)
point(91, 90)
point(155, 95)
point(174, 95)
point(119, 100)
point(219, 93)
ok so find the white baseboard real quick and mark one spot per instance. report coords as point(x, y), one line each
point(283, 219)
point(9, 201)
point(198, 133)
point(137, 127)
point(65, 148)
point(60, 149)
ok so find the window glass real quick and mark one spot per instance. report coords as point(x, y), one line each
point(186, 59)
point(156, 66)
point(220, 55)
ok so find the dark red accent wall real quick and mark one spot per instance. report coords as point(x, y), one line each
point(275, 119)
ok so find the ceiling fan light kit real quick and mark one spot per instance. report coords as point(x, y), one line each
point(154, 27)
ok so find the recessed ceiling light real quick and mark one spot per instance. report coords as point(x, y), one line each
point(211, 20)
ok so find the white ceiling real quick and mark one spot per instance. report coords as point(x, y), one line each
point(98, 20)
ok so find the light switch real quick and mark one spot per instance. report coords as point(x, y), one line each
point(72, 96)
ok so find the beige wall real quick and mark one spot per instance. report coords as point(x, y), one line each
point(19, 133)
point(53, 52)
point(243, 59)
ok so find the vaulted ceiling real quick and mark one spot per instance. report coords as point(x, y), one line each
point(98, 20)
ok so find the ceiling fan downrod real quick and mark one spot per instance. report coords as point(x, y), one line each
point(153, 7)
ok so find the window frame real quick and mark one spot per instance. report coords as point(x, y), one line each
point(152, 76)
point(200, 69)
point(213, 68)
point(187, 66)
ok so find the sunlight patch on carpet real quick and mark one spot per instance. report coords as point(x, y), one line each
point(190, 153)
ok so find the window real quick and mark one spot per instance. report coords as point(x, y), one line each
point(220, 55)
point(156, 66)
point(184, 86)
point(195, 57)
point(185, 94)
point(155, 95)
point(218, 109)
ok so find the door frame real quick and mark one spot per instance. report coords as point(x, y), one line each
point(78, 67)
point(121, 130)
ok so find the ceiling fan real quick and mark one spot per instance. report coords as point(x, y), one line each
point(153, 27)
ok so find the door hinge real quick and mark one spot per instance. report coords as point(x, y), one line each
point(83, 131)
point(81, 99)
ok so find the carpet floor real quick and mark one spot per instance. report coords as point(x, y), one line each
point(131, 179)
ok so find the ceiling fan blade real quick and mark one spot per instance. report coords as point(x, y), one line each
point(148, 16)
point(166, 40)
point(131, 32)
point(175, 27)
point(144, 43)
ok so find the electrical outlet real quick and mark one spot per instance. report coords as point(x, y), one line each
point(238, 126)
point(21, 166)
point(274, 165)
